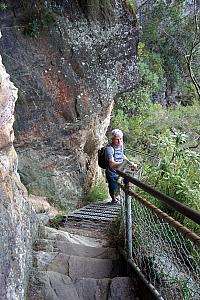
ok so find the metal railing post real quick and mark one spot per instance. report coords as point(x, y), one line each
point(128, 220)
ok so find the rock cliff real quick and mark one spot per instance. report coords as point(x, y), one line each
point(67, 75)
point(17, 220)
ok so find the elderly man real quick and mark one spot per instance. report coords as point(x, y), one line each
point(115, 157)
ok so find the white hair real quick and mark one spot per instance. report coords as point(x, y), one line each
point(117, 132)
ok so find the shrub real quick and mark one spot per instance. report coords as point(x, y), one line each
point(57, 221)
point(98, 192)
point(167, 141)
point(37, 16)
point(3, 6)
point(177, 175)
point(32, 28)
point(116, 232)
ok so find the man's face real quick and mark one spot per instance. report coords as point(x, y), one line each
point(117, 140)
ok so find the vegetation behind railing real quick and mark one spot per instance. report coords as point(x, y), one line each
point(176, 174)
point(167, 253)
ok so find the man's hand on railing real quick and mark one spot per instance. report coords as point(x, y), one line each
point(135, 167)
point(129, 165)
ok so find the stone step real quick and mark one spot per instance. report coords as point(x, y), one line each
point(56, 262)
point(69, 248)
point(62, 235)
point(55, 286)
point(78, 267)
point(118, 288)
point(51, 285)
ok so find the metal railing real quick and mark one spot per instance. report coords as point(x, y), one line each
point(164, 253)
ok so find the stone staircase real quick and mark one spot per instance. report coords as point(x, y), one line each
point(69, 266)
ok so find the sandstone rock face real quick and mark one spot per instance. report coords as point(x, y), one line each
point(67, 78)
point(17, 221)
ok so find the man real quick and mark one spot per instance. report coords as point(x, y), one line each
point(115, 157)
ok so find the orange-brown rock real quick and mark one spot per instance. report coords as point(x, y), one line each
point(68, 76)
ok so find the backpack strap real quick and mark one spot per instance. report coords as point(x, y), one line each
point(122, 149)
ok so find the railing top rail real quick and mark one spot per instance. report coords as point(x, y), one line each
point(179, 207)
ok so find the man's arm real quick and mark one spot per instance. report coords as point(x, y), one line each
point(133, 165)
point(113, 164)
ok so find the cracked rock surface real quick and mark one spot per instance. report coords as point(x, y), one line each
point(18, 224)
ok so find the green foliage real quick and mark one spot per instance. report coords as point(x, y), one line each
point(172, 33)
point(37, 16)
point(116, 232)
point(170, 134)
point(151, 70)
point(144, 121)
point(177, 175)
point(151, 78)
point(132, 5)
point(178, 171)
point(32, 28)
point(56, 222)
point(120, 119)
point(161, 66)
point(98, 192)
point(3, 6)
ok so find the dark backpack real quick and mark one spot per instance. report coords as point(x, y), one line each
point(102, 158)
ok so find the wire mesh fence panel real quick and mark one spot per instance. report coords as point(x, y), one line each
point(142, 157)
point(169, 261)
